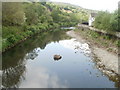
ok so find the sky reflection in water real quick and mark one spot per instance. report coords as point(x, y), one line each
point(34, 67)
point(73, 70)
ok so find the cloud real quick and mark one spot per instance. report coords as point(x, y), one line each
point(76, 46)
point(40, 78)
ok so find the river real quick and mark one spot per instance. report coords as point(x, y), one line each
point(31, 64)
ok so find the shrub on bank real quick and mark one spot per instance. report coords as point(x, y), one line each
point(107, 21)
point(13, 35)
point(118, 43)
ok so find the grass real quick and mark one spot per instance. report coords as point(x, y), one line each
point(105, 41)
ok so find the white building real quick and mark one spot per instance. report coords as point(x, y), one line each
point(92, 18)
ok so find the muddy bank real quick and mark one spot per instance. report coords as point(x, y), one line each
point(106, 61)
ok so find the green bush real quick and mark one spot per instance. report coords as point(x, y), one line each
point(107, 21)
point(5, 44)
point(118, 43)
point(12, 39)
point(94, 34)
point(32, 29)
point(27, 19)
point(106, 37)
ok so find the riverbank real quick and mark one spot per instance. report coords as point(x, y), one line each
point(75, 69)
point(18, 35)
point(112, 33)
point(25, 21)
point(106, 61)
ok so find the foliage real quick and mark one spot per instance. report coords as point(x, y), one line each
point(118, 43)
point(11, 39)
point(21, 20)
point(12, 13)
point(107, 21)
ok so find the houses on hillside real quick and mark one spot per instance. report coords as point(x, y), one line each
point(91, 18)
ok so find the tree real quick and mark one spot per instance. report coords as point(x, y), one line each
point(31, 14)
point(107, 21)
point(13, 13)
point(56, 14)
point(114, 21)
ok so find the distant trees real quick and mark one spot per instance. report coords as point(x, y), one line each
point(16, 13)
point(12, 13)
point(31, 14)
point(21, 19)
point(37, 13)
point(107, 21)
point(56, 14)
point(114, 21)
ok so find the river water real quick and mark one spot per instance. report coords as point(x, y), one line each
point(31, 64)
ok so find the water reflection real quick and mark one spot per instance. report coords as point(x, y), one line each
point(76, 46)
point(11, 77)
point(32, 55)
point(14, 60)
point(41, 78)
point(31, 64)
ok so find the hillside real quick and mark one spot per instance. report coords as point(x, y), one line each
point(23, 19)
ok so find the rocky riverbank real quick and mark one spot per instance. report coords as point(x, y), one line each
point(106, 61)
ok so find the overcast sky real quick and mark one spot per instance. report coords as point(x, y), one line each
point(109, 5)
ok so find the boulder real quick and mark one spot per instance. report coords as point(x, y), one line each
point(57, 57)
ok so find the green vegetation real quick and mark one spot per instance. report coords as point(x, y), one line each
point(108, 42)
point(22, 20)
point(107, 21)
